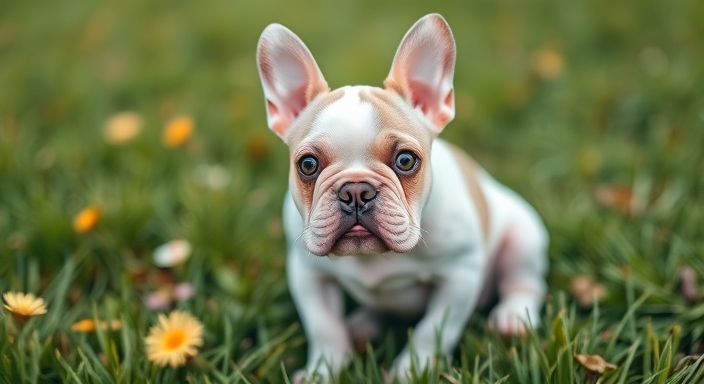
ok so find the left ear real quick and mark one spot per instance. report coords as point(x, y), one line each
point(423, 68)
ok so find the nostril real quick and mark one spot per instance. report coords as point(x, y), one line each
point(367, 195)
point(345, 196)
point(356, 194)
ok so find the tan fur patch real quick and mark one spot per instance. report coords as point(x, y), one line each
point(297, 132)
point(395, 126)
point(303, 124)
point(469, 169)
point(388, 105)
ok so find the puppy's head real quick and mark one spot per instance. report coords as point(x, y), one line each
point(360, 156)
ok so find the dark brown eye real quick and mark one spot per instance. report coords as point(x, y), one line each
point(308, 165)
point(405, 161)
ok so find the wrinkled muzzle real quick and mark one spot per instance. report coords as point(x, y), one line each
point(361, 217)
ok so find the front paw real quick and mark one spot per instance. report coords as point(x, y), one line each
point(515, 315)
point(323, 367)
point(406, 366)
point(304, 377)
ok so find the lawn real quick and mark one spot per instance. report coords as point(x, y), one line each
point(128, 125)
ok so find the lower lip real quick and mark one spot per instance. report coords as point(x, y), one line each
point(358, 231)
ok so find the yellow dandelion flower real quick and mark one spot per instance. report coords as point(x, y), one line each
point(122, 127)
point(177, 131)
point(24, 305)
point(88, 325)
point(85, 325)
point(548, 63)
point(174, 339)
point(87, 219)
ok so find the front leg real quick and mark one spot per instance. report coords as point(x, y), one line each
point(450, 306)
point(319, 303)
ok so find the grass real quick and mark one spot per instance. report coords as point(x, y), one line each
point(558, 100)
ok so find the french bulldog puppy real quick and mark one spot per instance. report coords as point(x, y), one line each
point(378, 206)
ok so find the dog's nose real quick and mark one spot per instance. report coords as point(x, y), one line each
point(356, 195)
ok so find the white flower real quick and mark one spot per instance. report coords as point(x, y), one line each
point(214, 177)
point(173, 253)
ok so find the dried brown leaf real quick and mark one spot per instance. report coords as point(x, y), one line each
point(688, 283)
point(594, 363)
point(587, 291)
point(617, 197)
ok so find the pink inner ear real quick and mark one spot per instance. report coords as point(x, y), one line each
point(450, 99)
point(271, 108)
point(421, 94)
point(288, 109)
point(289, 74)
point(423, 67)
point(427, 100)
point(296, 100)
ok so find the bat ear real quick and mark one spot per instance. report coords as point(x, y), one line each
point(423, 69)
point(290, 77)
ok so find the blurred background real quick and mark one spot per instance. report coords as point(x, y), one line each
point(152, 114)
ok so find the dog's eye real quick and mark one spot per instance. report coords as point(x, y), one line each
point(308, 165)
point(405, 161)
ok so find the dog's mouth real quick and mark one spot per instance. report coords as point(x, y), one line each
point(358, 231)
point(358, 238)
point(358, 242)
point(337, 227)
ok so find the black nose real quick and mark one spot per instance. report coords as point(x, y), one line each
point(356, 196)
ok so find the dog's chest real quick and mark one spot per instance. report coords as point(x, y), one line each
point(393, 281)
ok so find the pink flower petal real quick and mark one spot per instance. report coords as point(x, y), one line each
point(160, 299)
point(183, 291)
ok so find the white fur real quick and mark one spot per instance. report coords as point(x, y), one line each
point(444, 275)
point(346, 122)
point(452, 251)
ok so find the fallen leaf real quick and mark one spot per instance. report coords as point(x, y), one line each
point(587, 291)
point(594, 363)
point(617, 197)
point(688, 283)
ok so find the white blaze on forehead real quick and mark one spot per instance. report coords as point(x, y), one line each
point(350, 124)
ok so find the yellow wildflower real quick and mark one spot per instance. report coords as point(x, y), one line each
point(24, 305)
point(88, 325)
point(86, 219)
point(174, 339)
point(177, 131)
point(122, 127)
point(548, 63)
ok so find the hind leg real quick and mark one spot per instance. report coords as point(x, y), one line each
point(521, 266)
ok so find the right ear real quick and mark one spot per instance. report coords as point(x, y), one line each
point(289, 74)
